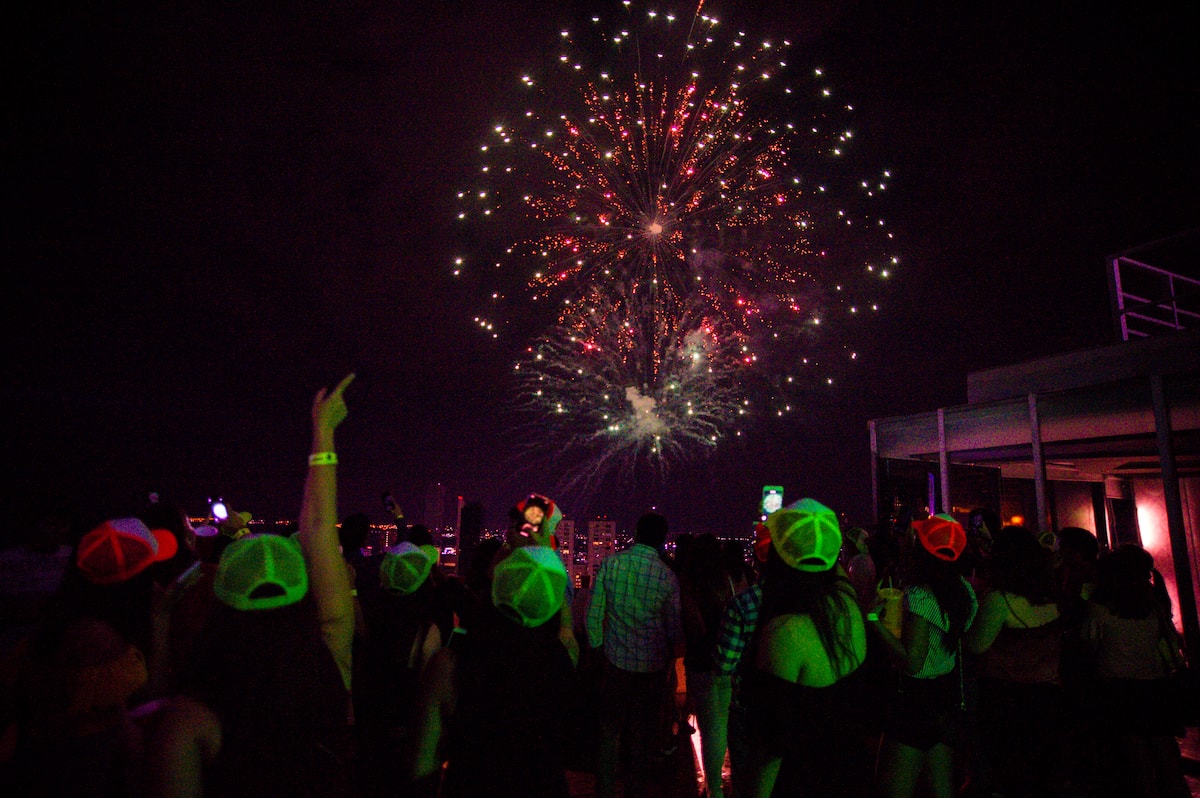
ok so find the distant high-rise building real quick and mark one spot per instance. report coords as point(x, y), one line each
point(568, 547)
point(470, 530)
point(458, 512)
point(601, 542)
point(435, 507)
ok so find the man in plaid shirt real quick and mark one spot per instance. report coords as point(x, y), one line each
point(634, 619)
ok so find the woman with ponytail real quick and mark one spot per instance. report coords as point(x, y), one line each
point(805, 693)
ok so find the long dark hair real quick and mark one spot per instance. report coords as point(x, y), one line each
point(273, 683)
point(943, 579)
point(1128, 584)
point(502, 650)
point(512, 683)
point(788, 591)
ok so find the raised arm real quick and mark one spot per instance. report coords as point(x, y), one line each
point(328, 577)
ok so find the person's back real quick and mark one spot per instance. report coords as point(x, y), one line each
point(1017, 638)
point(407, 621)
point(492, 710)
point(513, 688)
point(1019, 628)
point(283, 719)
point(635, 607)
point(1128, 615)
point(706, 588)
point(634, 618)
point(805, 688)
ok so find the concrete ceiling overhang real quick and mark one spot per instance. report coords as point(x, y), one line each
point(1094, 410)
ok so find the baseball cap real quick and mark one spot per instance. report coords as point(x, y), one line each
point(405, 568)
point(261, 572)
point(941, 537)
point(121, 548)
point(806, 535)
point(529, 584)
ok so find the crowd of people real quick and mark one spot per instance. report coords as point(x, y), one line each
point(923, 657)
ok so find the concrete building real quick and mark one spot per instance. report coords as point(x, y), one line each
point(602, 542)
point(565, 532)
point(435, 507)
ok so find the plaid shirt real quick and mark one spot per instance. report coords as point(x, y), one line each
point(737, 629)
point(634, 612)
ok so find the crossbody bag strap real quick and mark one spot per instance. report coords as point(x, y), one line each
point(962, 692)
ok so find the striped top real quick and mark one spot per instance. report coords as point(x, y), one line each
point(940, 658)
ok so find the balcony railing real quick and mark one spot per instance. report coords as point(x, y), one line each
point(1151, 301)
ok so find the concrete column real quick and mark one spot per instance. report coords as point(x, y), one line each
point(1175, 527)
point(874, 471)
point(1039, 463)
point(943, 461)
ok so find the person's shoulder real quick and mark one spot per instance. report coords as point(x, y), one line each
point(180, 723)
point(992, 599)
point(791, 626)
point(188, 711)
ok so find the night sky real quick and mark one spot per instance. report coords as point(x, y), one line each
point(216, 208)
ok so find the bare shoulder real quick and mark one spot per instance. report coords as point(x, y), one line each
point(789, 626)
point(182, 722)
point(187, 710)
point(993, 603)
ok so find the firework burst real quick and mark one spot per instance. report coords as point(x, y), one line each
point(630, 385)
point(669, 187)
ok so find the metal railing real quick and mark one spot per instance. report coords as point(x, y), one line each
point(1151, 301)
